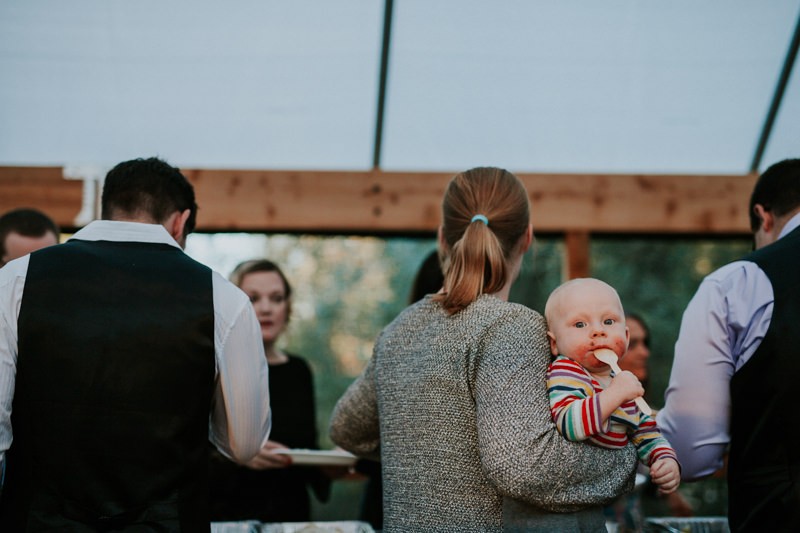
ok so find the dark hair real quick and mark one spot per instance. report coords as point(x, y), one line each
point(148, 187)
point(476, 259)
point(429, 278)
point(640, 320)
point(27, 222)
point(262, 265)
point(777, 190)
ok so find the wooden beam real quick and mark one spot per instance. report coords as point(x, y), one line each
point(395, 201)
point(640, 203)
point(42, 188)
point(404, 202)
point(371, 201)
point(576, 260)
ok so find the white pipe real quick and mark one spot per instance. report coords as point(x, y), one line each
point(92, 177)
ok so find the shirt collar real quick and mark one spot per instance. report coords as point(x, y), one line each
point(117, 231)
point(790, 226)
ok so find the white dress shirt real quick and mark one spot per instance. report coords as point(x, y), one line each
point(722, 327)
point(240, 417)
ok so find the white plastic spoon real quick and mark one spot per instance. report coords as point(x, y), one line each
point(608, 357)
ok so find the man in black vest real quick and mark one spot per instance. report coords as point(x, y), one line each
point(737, 362)
point(122, 357)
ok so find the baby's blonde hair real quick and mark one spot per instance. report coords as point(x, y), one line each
point(555, 296)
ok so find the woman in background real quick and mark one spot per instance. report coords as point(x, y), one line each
point(268, 488)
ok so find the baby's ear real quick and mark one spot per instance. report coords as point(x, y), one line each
point(552, 339)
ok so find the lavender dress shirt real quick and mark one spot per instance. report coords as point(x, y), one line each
point(722, 327)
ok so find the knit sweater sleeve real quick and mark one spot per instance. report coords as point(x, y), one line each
point(522, 452)
point(354, 422)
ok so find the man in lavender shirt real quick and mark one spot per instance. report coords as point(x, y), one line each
point(737, 361)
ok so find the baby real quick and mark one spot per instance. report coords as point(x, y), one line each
point(588, 402)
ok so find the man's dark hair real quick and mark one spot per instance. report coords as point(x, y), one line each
point(148, 187)
point(777, 190)
point(27, 222)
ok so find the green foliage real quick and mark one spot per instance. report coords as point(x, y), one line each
point(346, 289)
point(541, 273)
point(655, 279)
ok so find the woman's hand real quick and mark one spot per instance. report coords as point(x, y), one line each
point(347, 472)
point(266, 459)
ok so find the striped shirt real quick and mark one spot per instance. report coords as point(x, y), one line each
point(575, 407)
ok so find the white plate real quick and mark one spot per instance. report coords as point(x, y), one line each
point(318, 457)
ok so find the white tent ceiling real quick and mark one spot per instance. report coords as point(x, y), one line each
point(625, 86)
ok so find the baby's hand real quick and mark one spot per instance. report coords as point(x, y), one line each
point(666, 474)
point(626, 386)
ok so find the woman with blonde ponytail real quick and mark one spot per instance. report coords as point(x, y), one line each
point(483, 256)
point(454, 402)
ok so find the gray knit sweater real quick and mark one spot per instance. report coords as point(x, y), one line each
point(456, 408)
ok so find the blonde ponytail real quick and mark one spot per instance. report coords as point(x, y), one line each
point(485, 213)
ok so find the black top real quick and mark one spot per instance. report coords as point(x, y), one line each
point(274, 495)
point(115, 375)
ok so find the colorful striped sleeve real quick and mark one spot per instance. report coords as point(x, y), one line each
point(650, 443)
point(573, 403)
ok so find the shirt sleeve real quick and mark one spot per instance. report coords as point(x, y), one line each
point(240, 415)
point(722, 327)
point(650, 443)
point(12, 283)
point(354, 423)
point(573, 403)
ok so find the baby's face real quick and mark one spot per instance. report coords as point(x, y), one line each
point(586, 316)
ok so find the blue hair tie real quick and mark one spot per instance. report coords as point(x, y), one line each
point(482, 218)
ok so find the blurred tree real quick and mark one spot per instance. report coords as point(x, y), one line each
point(656, 278)
point(540, 273)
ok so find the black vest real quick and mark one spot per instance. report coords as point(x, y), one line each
point(763, 473)
point(114, 382)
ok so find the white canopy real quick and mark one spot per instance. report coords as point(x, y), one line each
point(537, 86)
